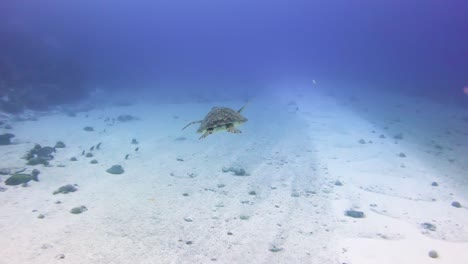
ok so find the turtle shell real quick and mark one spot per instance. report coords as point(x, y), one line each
point(219, 117)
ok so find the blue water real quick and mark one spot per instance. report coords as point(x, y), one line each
point(352, 105)
point(235, 46)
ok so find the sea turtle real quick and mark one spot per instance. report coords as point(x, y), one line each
point(218, 119)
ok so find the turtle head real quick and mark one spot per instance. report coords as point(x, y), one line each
point(242, 120)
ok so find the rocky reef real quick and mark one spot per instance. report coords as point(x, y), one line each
point(34, 76)
point(65, 189)
point(39, 155)
point(115, 169)
point(5, 139)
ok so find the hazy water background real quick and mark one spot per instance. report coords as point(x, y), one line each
point(235, 49)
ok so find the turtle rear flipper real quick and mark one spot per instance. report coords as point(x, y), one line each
point(191, 123)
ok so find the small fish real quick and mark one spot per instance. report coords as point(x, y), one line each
point(20, 178)
point(91, 149)
point(98, 146)
point(137, 148)
point(82, 153)
point(126, 156)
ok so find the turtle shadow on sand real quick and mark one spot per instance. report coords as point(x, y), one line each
point(219, 119)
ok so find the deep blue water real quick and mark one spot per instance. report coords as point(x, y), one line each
point(417, 47)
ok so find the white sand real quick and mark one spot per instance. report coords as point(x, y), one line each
point(293, 160)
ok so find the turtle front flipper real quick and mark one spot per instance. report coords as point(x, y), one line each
point(207, 133)
point(242, 108)
point(232, 129)
point(191, 123)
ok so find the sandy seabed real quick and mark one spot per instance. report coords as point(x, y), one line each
point(174, 203)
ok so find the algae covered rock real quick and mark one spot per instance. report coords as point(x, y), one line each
point(236, 170)
point(37, 161)
point(21, 178)
point(39, 155)
point(429, 226)
point(5, 139)
point(433, 254)
point(66, 189)
point(32, 153)
point(355, 214)
point(78, 210)
point(59, 144)
point(45, 152)
point(126, 118)
point(115, 169)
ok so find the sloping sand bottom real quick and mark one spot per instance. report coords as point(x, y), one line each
point(174, 203)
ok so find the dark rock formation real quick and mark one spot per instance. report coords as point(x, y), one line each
point(59, 144)
point(65, 189)
point(236, 170)
point(78, 210)
point(126, 118)
point(34, 76)
point(116, 169)
point(5, 139)
point(354, 214)
point(39, 155)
